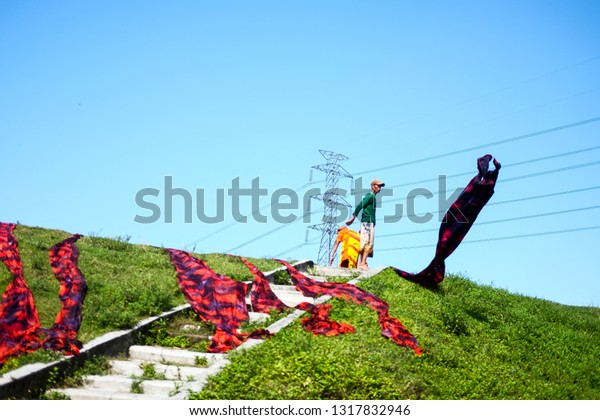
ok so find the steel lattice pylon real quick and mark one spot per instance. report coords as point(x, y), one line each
point(332, 201)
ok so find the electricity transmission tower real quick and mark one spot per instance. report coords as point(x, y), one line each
point(332, 202)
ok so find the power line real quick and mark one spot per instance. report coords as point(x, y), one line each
point(573, 167)
point(516, 178)
point(495, 143)
point(527, 235)
point(271, 231)
point(450, 153)
point(552, 171)
point(535, 197)
point(235, 223)
point(537, 133)
point(445, 108)
point(302, 244)
point(331, 202)
point(510, 114)
point(482, 223)
point(510, 219)
point(268, 205)
point(510, 165)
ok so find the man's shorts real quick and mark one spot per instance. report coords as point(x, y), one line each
point(367, 238)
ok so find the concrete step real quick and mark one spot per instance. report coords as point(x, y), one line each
point(319, 278)
point(324, 271)
point(289, 299)
point(134, 368)
point(178, 367)
point(173, 356)
point(103, 394)
point(282, 287)
point(119, 383)
point(293, 300)
point(178, 371)
point(257, 316)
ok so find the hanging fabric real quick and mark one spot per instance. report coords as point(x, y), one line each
point(457, 221)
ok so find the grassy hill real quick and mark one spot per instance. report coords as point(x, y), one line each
point(479, 342)
point(126, 282)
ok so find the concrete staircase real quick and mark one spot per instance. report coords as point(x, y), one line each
point(156, 373)
point(150, 373)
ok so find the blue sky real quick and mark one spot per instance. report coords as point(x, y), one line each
point(104, 99)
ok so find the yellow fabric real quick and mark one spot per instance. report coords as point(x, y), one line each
point(350, 241)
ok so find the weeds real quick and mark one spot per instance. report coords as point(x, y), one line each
point(149, 372)
point(98, 365)
point(480, 343)
point(137, 386)
point(200, 361)
point(185, 331)
point(126, 283)
point(40, 356)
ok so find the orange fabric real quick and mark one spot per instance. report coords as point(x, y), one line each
point(350, 241)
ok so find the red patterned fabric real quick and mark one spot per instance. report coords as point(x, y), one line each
point(20, 330)
point(319, 323)
point(64, 258)
point(458, 220)
point(19, 319)
point(390, 327)
point(214, 298)
point(221, 301)
point(262, 297)
point(264, 300)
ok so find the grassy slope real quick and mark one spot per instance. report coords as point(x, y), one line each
point(480, 342)
point(126, 282)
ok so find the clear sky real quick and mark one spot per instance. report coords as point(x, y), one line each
point(105, 101)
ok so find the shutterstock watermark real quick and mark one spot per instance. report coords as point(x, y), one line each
point(282, 205)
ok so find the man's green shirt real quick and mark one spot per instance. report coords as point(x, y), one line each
point(367, 205)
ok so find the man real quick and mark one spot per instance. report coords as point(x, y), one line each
point(367, 223)
point(350, 241)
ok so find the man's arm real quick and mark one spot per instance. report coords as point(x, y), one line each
point(358, 208)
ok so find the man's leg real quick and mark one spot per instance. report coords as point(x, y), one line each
point(364, 241)
point(370, 244)
point(361, 261)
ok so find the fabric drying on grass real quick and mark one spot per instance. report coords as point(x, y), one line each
point(222, 301)
point(20, 330)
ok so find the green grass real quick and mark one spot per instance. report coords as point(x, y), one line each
point(98, 365)
point(480, 342)
point(126, 282)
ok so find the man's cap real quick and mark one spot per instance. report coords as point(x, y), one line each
point(377, 182)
